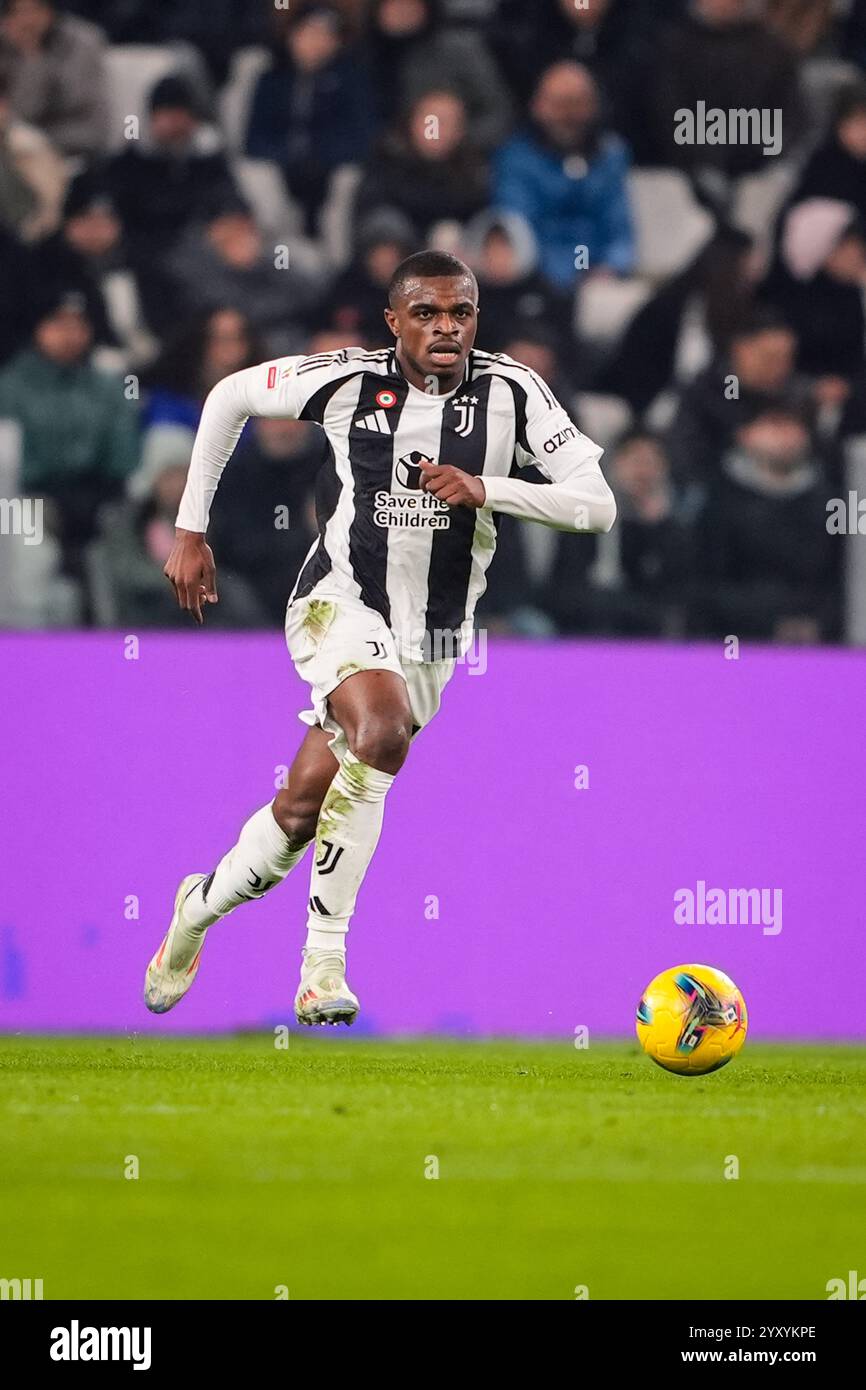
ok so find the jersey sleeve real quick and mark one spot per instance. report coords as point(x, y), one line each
point(576, 496)
point(273, 389)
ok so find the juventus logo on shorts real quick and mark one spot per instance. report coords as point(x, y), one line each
point(329, 860)
point(465, 407)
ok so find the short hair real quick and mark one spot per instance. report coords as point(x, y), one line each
point(427, 265)
point(763, 318)
point(640, 434)
point(786, 408)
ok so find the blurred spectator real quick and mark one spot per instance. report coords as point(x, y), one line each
point(723, 56)
point(86, 254)
point(58, 76)
point(15, 295)
point(854, 40)
point(606, 36)
point(201, 354)
point(79, 432)
point(161, 182)
point(769, 567)
point(357, 298)
point(427, 168)
point(216, 27)
point(714, 293)
point(32, 174)
point(125, 566)
point(502, 249)
point(639, 580)
point(757, 371)
point(512, 602)
point(567, 177)
point(263, 521)
point(409, 48)
point(652, 548)
point(819, 284)
point(198, 355)
point(312, 110)
point(837, 169)
point(225, 262)
point(538, 346)
point(803, 24)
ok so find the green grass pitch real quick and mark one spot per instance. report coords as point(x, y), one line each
point(305, 1168)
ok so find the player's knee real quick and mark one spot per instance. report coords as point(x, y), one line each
point(296, 816)
point(382, 743)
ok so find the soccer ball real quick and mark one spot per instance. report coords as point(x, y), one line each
point(692, 1020)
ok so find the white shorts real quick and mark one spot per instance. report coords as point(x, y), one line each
point(332, 637)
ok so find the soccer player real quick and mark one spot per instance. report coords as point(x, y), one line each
point(422, 437)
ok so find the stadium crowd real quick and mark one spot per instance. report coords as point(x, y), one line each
point(189, 188)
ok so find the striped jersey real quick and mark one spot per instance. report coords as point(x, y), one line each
point(381, 537)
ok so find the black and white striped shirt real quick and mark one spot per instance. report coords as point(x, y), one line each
point(382, 538)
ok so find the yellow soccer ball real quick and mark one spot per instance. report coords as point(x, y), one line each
point(692, 1020)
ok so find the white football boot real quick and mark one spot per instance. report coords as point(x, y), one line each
point(323, 995)
point(173, 968)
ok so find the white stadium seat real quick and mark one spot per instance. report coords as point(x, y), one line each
point(237, 95)
point(604, 308)
point(670, 224)
point(604, 418)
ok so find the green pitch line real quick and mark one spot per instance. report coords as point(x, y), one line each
point(305, 1168)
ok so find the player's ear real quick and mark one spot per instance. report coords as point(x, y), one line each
point(391, 320)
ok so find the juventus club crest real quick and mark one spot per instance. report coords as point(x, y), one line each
point(465, 408)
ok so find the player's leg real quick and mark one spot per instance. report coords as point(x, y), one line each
point(374, 714)
point(271, 842)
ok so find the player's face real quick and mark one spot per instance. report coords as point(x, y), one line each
point(435, 324)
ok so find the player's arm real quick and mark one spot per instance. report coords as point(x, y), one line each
point(269, 389)
point(576, 496)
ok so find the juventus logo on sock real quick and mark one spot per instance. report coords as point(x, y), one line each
point(316, 905)
point(329, 860)
point(259, 885)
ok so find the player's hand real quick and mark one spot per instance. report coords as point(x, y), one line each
point(452, 485)
point(191, 570)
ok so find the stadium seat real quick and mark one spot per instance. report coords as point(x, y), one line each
point(336, 217)
point(604, 308)
point(694, 348)
point(759, 197)
point(10, 474)
point(164, 446)
point(670, 224)
point(821, 79)
point(603, 418)
point(264, 188)
point(237, 94)
point(660, 415)
point(855, 546)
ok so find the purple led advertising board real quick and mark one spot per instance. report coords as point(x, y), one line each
point(578, 817)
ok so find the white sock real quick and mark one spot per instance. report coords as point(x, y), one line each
point(347, 833)
point(261, 858)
